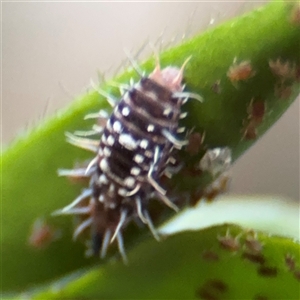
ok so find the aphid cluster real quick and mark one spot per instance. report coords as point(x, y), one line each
point(134, 153)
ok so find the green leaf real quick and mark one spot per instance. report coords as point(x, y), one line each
point(32, 190)
point(222, 262)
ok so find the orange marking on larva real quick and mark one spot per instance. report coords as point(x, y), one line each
point(240, 71)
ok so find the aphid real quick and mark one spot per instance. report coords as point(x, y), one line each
point(217, 187)
point(195, 141)
point(290, 262)
point(249, 131)
point(256, 258)
point(253, 245)
point(212, 289)
point(216, 160)
point(216, 87)
point(134, 153)
point(240, 71)
point(267, 271)
point(282, 90)
point(42, 234)
point(256, 112)
point(283, 70)
point(229, 242)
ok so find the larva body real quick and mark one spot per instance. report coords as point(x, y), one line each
point(134, 153)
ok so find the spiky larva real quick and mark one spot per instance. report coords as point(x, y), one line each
point(131, 158)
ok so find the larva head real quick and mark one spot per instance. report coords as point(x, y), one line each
point(169, 77)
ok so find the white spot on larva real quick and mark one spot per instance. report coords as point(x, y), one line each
point(125, 111)
point(146, 167)
point(149, 153)
point(167, 111)
point(117, 127)
point(171, 159)
point(111, 188)
point(101, 198)
point(138, 86)
point(106, 151)
point(138, 158)
point(122, 192)
point(104, 165)
point(129, 182)
point(110, 140)
point(144, 144)
point(100, 151)
point(135, 171)
point(108, 125)
point(150, 128)
point(103, 138)
point(127, 141)
point(126, 98)
point(181, 129)
point(103, 179)
point(183, 115)
point(112, 205)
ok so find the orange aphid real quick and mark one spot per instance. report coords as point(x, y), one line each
point(284, 70)
point(42, 234)
point(195, 141)
point(229, 242)
point(240, 71)
point(218, 187)
point(256, 111)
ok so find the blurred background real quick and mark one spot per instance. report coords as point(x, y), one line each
point(50, 51)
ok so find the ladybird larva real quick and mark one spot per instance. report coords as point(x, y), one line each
point(134, 152)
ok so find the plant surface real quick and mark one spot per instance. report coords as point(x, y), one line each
point(246, 70)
